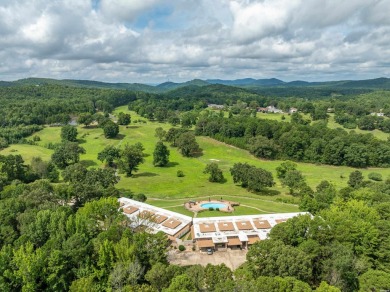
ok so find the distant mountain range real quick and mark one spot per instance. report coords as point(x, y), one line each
point(248, 83)
point(383, 83)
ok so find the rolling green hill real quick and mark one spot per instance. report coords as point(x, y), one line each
point(272, 86)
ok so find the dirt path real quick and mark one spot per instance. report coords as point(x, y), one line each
point(256, 208)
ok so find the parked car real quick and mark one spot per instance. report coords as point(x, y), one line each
point(209, 251)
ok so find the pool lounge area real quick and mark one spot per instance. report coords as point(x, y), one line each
point(214, 205)
point(220, 205)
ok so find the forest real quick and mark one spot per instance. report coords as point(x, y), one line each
point(61, 228)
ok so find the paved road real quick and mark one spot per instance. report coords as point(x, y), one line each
point(231, 258)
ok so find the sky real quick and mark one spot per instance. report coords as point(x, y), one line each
point(153, 41)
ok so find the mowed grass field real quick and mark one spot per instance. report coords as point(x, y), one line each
point(377, 133)
point(161, 184)
point(331, 124)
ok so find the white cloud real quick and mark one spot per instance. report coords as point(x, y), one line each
point(39, 31)
point(260, 19)
point(154, 40)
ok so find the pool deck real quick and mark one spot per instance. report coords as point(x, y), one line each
point(196, 206)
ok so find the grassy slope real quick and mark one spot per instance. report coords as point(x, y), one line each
point(27, 152)
point(276, 117)
point(165, 189)
point(331, 124)
point(377, 133)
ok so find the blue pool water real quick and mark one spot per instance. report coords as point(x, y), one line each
point(213, 205)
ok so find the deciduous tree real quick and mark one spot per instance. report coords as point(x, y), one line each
point(282, 169)
point(131, 157)
point(355, 179)
point(66, 153)
point(187, 144)
point(124, 119)
point(111, 129)
point(216, 174)
point(181, 283)
point(160, 133)
point(216, 274)
point(85, 118)
point(294, 180)
point(109, 154)
point(69, 133)
point(273, 258)
point(160, 154)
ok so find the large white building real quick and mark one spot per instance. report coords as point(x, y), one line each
point(235, 231)
point(209, 232)
point(155, 219)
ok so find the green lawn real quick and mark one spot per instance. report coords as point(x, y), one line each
point(331, 124)
point(251, 204)
point(275, 117)
point(163, 183)
point(266, 116)
point(27, 151)
point(377, 133)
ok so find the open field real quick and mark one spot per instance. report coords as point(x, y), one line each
point(267, 116)
point(27, 151)
point(274, 116)
point(172, 191)
point(248, 205)
point(331, 124)
point(377, 133)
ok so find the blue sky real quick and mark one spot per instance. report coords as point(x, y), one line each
point(152, 41)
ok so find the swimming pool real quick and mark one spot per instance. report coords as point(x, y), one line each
point(213, 205)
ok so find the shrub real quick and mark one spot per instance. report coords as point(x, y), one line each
point(351, 126)
point(180, 173)
point(51, 145)
point(139, 197)
point(216, 174)
point(375, 176)
point(211, 209)
point(182, 248)
point(216, 209)
point(3, 143)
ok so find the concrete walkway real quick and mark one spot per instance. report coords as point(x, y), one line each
point(231, 258)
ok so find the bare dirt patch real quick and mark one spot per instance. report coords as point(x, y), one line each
point(231, 258)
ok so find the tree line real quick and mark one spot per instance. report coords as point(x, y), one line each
point(297, 140)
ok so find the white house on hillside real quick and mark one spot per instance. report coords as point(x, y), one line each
point(272, 109)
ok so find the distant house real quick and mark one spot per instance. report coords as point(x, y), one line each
point(330, 110)
point(216, 106)
point(262, 109)
point(292, 110)
point(272, 109)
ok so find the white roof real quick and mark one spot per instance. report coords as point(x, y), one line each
point(153, 227)
point(218, 236)
point(219, 239)
point(242, 234)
